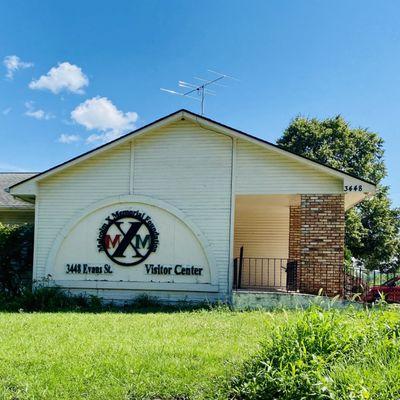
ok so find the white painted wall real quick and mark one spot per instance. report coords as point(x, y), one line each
point(183, 165)
point(62, 196)
point(189, 168)
point(262, 228)
point(262, 171)
point(178, 244)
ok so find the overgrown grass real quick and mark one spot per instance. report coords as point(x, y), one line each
point(326, 355)
point(201, 354)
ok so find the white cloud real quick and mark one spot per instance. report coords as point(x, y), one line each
point(36, 113)
point(100, 114)
point(6, 111)
point(67, 139)
point(65, 76)
point(13, 64)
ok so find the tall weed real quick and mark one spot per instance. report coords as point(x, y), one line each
point(324, 355)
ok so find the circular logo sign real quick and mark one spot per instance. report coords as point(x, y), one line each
point(128, 237)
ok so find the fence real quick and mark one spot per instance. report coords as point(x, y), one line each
point(289, 275)
point(366, 285)
point(265, 273)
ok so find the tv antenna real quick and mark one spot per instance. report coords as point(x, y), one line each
point(201, 90)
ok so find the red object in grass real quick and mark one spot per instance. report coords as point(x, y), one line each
point(389, 291)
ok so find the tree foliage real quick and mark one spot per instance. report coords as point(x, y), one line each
point(373, 226)
point(16, 257)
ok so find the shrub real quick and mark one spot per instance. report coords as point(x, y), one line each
point(16, 257)
point(144, 301)
point(50, 298)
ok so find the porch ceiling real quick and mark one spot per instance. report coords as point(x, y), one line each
point(352, 199)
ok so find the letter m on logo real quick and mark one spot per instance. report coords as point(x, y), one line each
point(109, 242)
point(142, 242)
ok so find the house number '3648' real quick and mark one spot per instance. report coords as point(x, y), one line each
point(353, 188)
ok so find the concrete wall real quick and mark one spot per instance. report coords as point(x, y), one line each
point(285, 301)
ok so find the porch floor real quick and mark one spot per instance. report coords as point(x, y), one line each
point(270, 289)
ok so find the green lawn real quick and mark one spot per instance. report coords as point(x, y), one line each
point(124, 356)
point(194, 354)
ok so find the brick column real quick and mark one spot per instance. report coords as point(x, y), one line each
point(321, 243)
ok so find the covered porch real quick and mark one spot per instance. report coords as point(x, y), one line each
point(289, 243)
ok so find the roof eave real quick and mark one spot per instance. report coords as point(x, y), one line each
point(153, 125)
point(201, 121)
point(370, 188)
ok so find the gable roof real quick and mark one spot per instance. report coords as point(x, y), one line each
point(7, 179)
point(184, 114)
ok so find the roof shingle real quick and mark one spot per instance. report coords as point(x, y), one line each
point(8, 179)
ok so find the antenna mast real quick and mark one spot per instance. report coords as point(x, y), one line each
point(201, 90)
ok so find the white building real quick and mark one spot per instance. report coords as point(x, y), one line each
point(164, 210)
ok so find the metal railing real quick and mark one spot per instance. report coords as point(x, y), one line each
point(362, 284)
point(285, 274)
point(289, 275)
point(279, 274)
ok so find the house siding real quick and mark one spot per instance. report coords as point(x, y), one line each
point(182, 164)
point(190, 168)
point(194, 170)
point(263, 171)
point(69, 192)
point(262, 231)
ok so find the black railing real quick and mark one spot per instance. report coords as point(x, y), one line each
point(362, 284)
point(285, 274)
point(288, 275)
point(280, 274)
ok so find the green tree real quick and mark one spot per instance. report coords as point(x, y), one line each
point(373, 226)
point(16, 257)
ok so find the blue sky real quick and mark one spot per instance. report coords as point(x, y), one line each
point(86, 71)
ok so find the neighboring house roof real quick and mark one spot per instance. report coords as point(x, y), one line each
point(205, 123)
point(7, 179)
